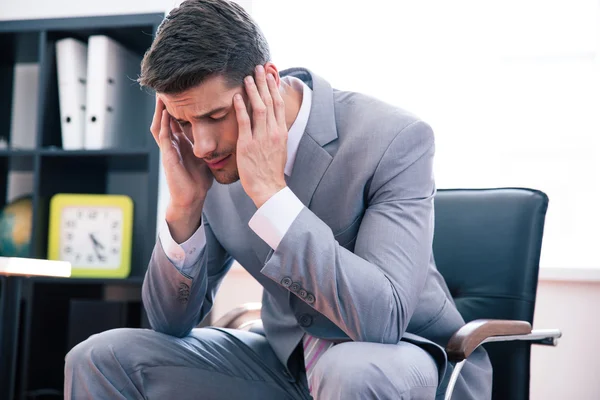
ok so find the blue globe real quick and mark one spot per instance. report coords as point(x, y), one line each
point(15, 228)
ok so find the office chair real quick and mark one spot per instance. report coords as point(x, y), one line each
point(487, 245)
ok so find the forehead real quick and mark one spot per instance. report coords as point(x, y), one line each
point(214, 92)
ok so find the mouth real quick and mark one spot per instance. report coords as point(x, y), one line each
point(218, 163)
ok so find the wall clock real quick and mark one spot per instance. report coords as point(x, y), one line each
point(93, 232)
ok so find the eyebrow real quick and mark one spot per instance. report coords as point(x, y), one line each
point(206, 114)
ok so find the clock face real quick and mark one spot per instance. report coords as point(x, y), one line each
point(91, 236)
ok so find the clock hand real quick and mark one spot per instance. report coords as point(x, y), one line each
point(97, 245)
point(100, 256)
point(96, 242)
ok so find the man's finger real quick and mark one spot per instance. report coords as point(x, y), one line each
point(175, 132)
point(265, 95)
point(278, 104)
point(175, 127)
point(259, 111)
point(243, 119)
point(186, 151)
point(164, 136)
point(169, 149)
point(186, 147)
point(156, 120)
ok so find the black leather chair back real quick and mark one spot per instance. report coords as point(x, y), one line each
point(487, 246)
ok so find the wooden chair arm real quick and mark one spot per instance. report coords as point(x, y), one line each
point(469, 337)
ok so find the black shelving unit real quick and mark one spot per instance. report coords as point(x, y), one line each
point(50, 310)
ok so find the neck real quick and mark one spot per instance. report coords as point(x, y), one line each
point(292, 99)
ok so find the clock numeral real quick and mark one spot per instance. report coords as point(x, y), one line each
point(69, 236)
point(90, 258)
point(115, 224)
point(93, 214)
point(70, 223)
point(68, 249)
point(77, 257)
point(115, 250)
point(116, 238)
point(79, 214)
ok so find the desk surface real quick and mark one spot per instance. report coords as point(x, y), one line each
point(34, 267)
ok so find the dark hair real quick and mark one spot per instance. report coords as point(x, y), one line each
point(200, 39)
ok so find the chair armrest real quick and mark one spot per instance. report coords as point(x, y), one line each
point(472, 335)
point(475, 333)
point(241, 317)
point(480, 331)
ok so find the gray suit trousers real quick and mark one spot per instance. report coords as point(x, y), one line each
point(217, 364)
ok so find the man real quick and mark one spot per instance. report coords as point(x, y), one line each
point(324, 196)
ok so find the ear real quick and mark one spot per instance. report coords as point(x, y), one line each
point(270, 68)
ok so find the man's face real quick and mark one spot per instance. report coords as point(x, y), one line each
point(207, 117)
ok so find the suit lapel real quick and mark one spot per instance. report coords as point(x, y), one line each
point(312, 160)
point(309, 167)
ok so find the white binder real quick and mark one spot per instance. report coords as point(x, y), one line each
point(71, 68)
point(24, 112)
point(113, 95)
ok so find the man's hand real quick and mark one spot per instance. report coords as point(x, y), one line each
point(262, 142)
point(188, 177)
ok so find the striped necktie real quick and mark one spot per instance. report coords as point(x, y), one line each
point(314, 348)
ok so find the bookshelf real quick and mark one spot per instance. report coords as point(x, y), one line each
point(47, 309)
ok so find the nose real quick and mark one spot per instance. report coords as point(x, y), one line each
point(204, 143)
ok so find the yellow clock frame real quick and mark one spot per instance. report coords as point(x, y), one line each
point(61, 200)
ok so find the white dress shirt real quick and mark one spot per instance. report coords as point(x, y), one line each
point(272, 220)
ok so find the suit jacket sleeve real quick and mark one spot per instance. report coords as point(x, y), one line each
point(372, 293)
point(175, 302)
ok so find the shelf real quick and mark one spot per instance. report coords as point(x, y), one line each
point(133, 280)
point(48, 169)
point(58, 152)
point(150, 20)
point(16, 152)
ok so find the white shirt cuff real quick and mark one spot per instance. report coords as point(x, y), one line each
point(272, 221)
point(184, 255)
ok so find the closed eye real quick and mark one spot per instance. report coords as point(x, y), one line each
point(184, 124)
point(213, 119)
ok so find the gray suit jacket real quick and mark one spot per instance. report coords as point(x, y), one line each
point(356, 263)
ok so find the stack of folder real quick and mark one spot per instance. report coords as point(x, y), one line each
point(98, 93)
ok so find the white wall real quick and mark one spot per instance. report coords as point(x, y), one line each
point(511, 90)
point(33, 9)
point(570, 370)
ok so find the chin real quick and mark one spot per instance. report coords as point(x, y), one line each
point(226, 177)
